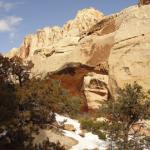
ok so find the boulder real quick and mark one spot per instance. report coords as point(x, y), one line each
point(141, 127)
point(54, 136)
point(69, 127)
point(82, 134)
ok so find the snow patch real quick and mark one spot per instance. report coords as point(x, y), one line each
point(89, 141)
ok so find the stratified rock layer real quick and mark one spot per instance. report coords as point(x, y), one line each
point(56, 38)
point(95, 89)
point(118, 44)
point(129, 59)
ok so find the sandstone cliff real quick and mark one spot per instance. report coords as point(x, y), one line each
point(129, 59)
point(46, 40)
point(93, 45)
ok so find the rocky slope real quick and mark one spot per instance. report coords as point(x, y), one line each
point(86, 49)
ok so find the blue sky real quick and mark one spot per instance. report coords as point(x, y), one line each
point(21, 17)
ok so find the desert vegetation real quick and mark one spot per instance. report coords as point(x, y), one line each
point(119, 115)
point(26, 105)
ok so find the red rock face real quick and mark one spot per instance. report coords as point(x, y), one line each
point(24, 52)
point(144, 2)
point(72, 80)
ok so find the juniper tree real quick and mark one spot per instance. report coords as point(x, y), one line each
point(130, 106)
point(17, 122)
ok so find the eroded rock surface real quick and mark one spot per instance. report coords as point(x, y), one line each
point(144, 2)
point(55, 38)
point(54, 136)
point(95, 89)
point(129, 59)
point(69, 127)
point(118, 45)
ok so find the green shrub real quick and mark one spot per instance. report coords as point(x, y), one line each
point(100, 134)
point(147, 138)
point(26, 106)
point(94, 127)
point(87, 124)
point(49, 95)
point(131, 105)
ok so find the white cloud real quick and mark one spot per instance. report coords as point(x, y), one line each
point(9, 23)
point(7, 6)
